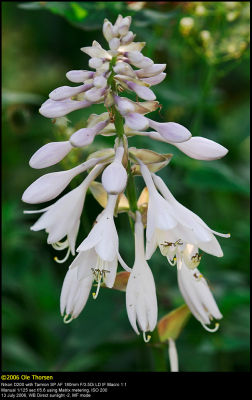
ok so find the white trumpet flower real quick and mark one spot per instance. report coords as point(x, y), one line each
point(141, 301)
point(63, 217)
point(169, 221)
point(74, 295)
point(100, 248)
point(196, 292)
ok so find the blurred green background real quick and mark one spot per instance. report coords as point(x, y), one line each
point(205, 47)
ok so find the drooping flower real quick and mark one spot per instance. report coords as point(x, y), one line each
point(168, 221)
point(195, 290)
point(141, 301)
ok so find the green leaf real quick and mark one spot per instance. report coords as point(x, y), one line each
point(217, 177)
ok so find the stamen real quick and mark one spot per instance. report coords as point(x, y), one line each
point(211, 329)
point(60, 245)
point(172, 263)
point(65, 319)
point(64, 259)
point(98, 286)
point(146, 339)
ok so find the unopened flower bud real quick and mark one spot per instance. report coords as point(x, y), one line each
point(114, 177)
point(95, 62)
point(114, 44)
point(77, 76)
point(100, 82)
point(107, 30)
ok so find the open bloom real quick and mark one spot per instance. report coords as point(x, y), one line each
point(98, 253)
point(63, 217)
point(168, 221)
point(196, 292)
point(141, 301)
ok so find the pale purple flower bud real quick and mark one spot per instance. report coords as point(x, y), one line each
point(84, 137)
point(123, 105)
point(77, 76)
point(55, 109)
point(100, 82)
point(124, 69)
point(50, 154)
point(136, 121)
point(171, 131)
point(94, 95)
point(154, 69)
point(155, 80)
point(114, 177)
point(114, 44)
point(201, 148)
point(64, 92)
point(95, 62)
point(128, 38)
point(107, 30)
point(124, 26)
point(138, 60)
point(134, 56)
point(49, 186)
point(142, 91)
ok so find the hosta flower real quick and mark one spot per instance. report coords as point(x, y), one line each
point(196, 292)
point(63, 217)
point(99, 253)
point(179, 233)
point(141, 301)
point(74, 294)
point(172, 225)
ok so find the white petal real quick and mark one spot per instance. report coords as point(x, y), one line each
point(111, 275)
point(55, 109)
point(50, 154)
point(171, 131)
point(202, 149)
point(78, 76)
point(130, 302)
point(136, 121)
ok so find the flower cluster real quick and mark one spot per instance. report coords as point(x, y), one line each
point(178, 232)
